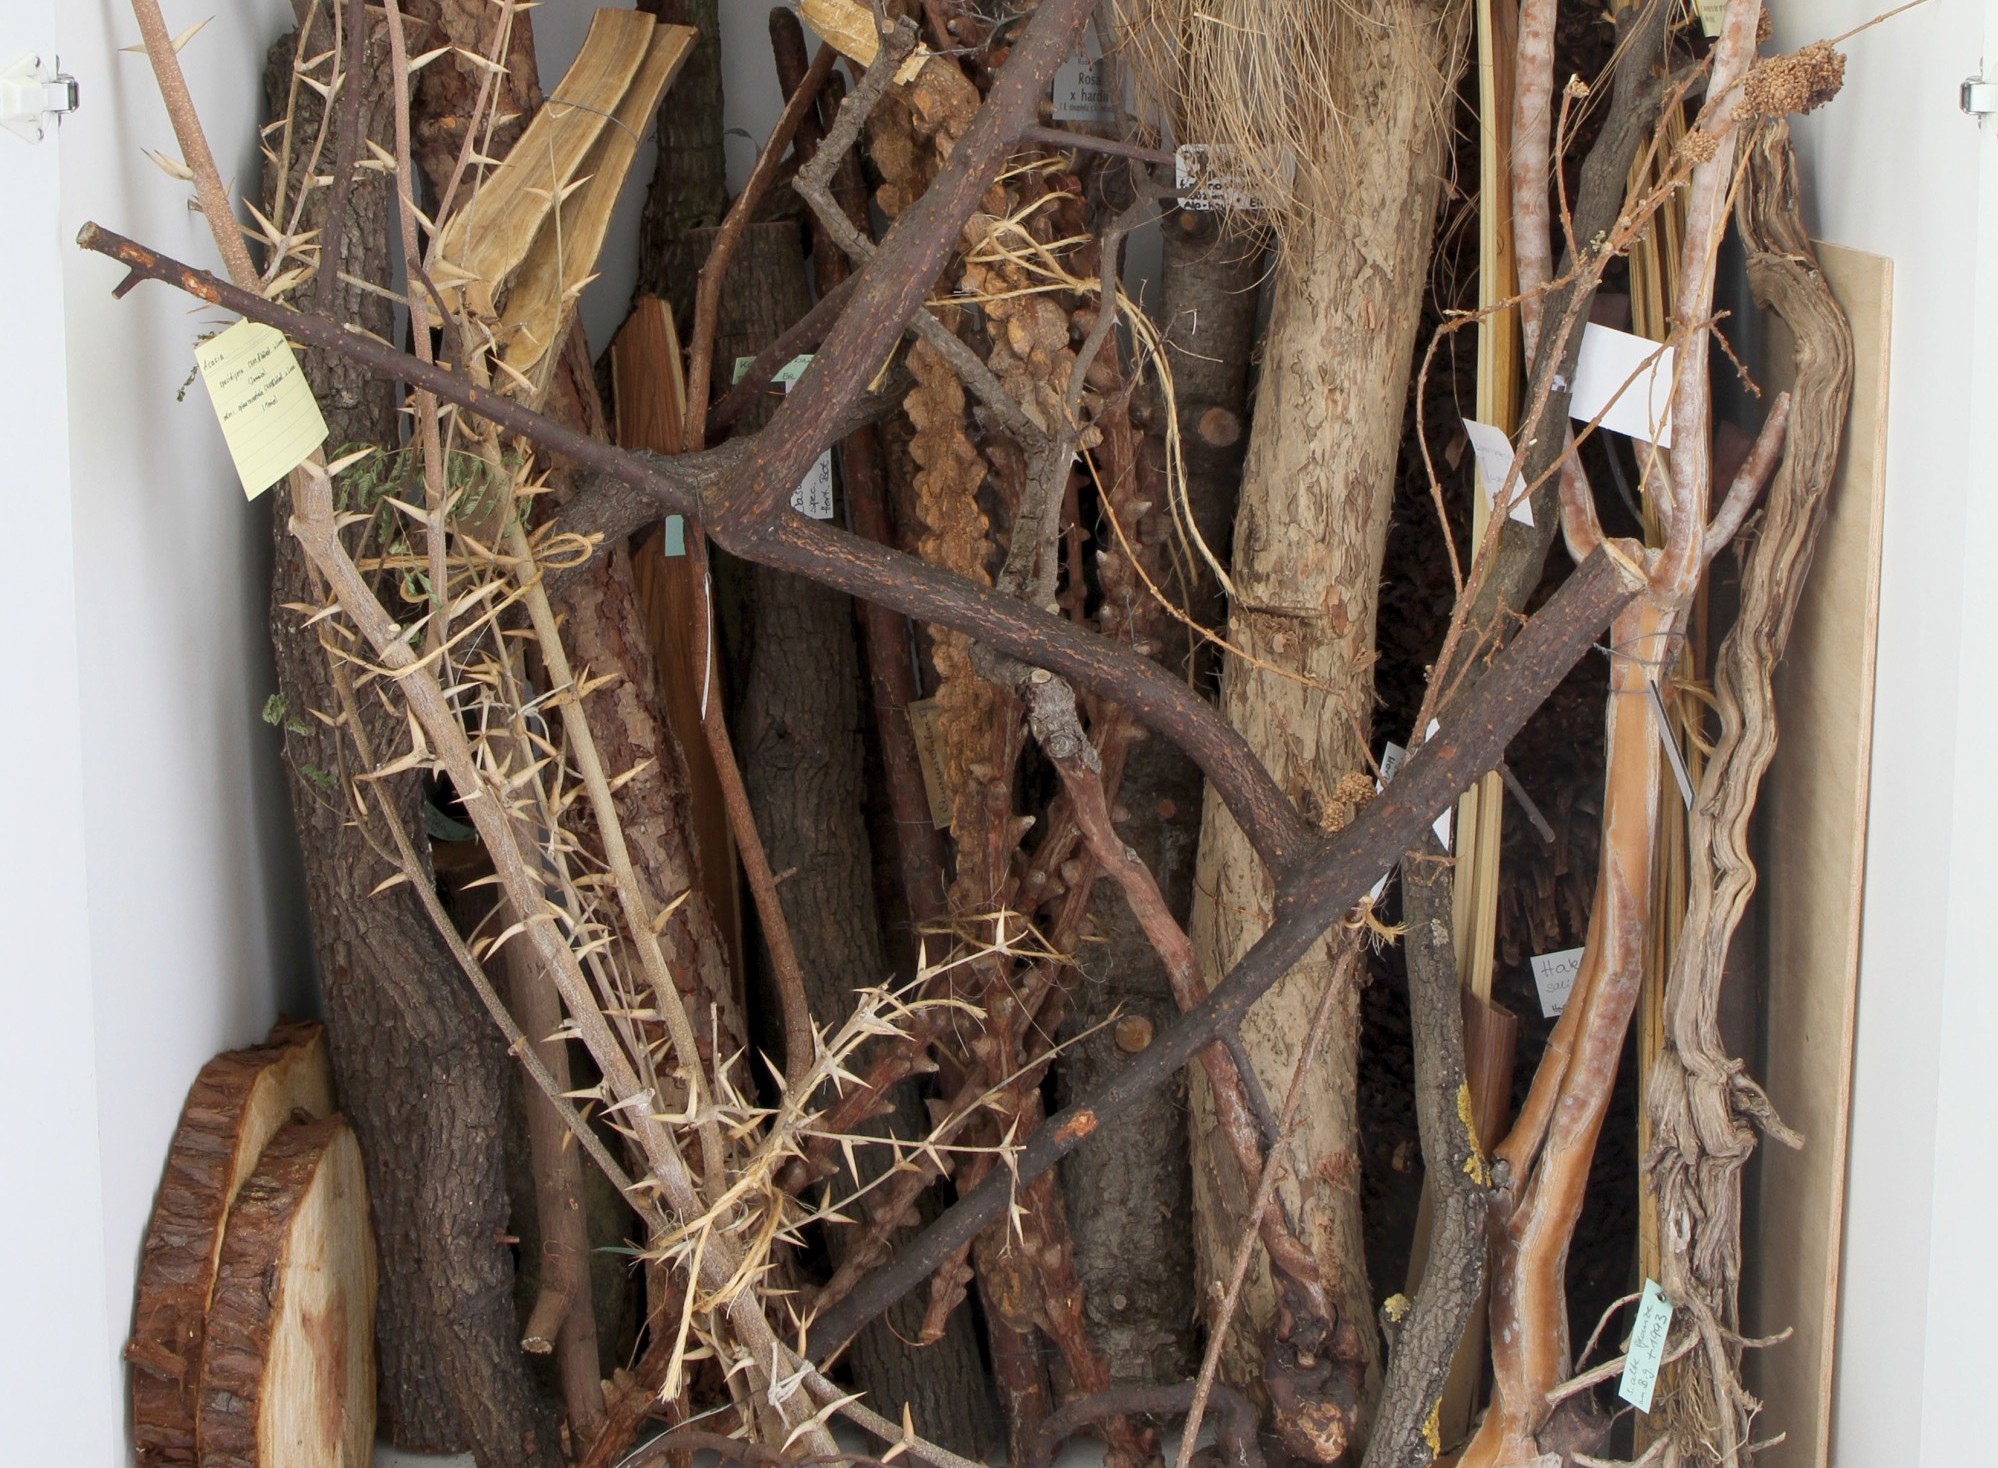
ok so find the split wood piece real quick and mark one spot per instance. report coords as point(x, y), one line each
point(650, 397)
point(486, 243)
point(563, 257)
point(237, 1103)
point(288, 1377)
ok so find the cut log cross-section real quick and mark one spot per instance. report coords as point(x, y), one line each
point(287, 1379)
point(240, 1099)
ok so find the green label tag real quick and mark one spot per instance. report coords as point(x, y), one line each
point(1647, 1347)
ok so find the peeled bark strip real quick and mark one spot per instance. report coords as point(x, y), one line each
point(421, 1071)
point(237, 1103)
point(1309, 538)
point(1705, 1108)
point(288, 1376)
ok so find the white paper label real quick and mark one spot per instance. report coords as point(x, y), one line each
point(1712, 13)
point(1206, 178)
point(1647, 1347)
point(1554, 976)
point(813, 498)
point(1081, 91)
point(1495, 458)
point(1628, 381)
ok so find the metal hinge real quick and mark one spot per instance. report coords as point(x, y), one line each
point(30, 95)
point(1979, 98)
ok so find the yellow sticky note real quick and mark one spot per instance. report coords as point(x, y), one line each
point(265, 406)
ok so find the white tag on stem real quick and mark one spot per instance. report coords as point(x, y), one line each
point(1554, 976)
point(1494, 452)
point(1647, 1347)
point(1627, 380)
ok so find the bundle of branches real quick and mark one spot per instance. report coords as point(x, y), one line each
point(458, 614)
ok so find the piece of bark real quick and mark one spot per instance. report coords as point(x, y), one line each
point(421, 1070)
point(690, 180)
point(237, 1103)
point(447, 89)
point(799, 733)
point(288, 1375)
point(1309, 537)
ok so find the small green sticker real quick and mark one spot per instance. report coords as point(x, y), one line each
point(676, 535)
point(1647, 1347)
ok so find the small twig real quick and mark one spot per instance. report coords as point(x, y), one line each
point(1058, 137)
point(1237, 1428)
point(707, 295)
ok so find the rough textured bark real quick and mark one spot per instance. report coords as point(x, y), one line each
point(421, 1071)
point(799, 732)
point(1309, 537)
point(447, 90)
point(689, 183)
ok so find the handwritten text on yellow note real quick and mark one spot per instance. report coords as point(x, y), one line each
point(266, 408)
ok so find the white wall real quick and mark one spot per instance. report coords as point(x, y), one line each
point(1894, 167)
point(151, 916)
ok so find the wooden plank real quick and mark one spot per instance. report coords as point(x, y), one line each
point(1812, 860)
point(650, 394)
point(563, 257)
point(486, 242)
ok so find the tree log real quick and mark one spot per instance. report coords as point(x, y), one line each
point(421, 1072)
point(1309, 537)
point(237, 1103)
point(288, 1376)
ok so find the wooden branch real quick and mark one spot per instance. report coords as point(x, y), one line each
point(809, 548)
point(1309, 900)
point(899, 277)
point(1237, 1430)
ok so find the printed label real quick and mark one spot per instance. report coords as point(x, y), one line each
point(268, 415)
point(1554, 976)
point(1647, 1347)
point(813, 498)
point(1081, 90)
point(1206, 177)
point(1628, 381)
point(1495, 458)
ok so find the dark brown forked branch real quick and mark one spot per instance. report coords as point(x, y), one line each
point(707, 296)
point(900, 275)
point(1237, 1429)
point(1312, 897)
point(642, 485)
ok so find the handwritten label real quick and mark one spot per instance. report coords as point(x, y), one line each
point(923, 724)
point(1206, 176)
point(1081, 90)
point(1495, 458)
point(1628, 381)
point(813, 498)
point(1647, 1347)
point(1554, 976)
point(1712, 13)
point(268, 415)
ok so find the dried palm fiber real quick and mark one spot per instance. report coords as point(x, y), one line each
point(1336, 115)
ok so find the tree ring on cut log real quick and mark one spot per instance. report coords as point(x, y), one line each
point(235, 1105)
point(288, 1372)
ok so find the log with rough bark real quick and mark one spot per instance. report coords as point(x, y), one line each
point(237, 1103)
point(799, 730)
point(421, 1072)
point(689, 182)
point(288, 1374)
point(1309, 536)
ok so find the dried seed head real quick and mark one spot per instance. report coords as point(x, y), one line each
point(1800, 82)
